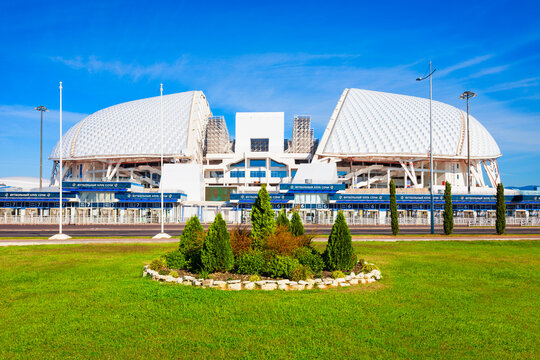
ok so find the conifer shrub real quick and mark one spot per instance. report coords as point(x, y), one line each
point(250, 263)
point(175, 260)
point(262, 219)
point(216, 254)
point(448, 214)
point(283, 242)
point(240, 240)
point(393, 209)
point(191, 242)
point(500, 222)
point(339, 253)
point(283, 220)
point(297, 228)
point(311, 258)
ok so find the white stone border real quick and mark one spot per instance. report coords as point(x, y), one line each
point(285, 284)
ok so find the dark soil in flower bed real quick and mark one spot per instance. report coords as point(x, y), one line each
point(221, 276)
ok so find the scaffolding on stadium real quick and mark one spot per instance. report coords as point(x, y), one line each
point(217, 136)
point(302, 136)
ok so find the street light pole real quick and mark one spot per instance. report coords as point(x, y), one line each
point(162, 234)
point(60, 235)
point(431, 205)
point(41, 109)
point(467, 95)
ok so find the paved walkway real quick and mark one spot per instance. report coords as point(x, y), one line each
point(26, 242)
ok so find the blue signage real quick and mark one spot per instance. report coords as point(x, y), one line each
point(315, 188)
point(44, 196)
point(97, 186)
point(149, 196)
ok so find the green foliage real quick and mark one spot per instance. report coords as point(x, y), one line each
point(337, 274)
point(203, 274)
point(283, 220)
point(250, 263)
point(448, 215)
point(367, 267)
point(174, 273)
point(281, 266)
point(175, 260)
point(191, 242)
point(216, 254)
point(393, 209)
point(158, 263)
point(254, 278)
point(262, 219)
point(302, 272)
point(297, 228)
point(500, 223)
point(311, 258)
point(164, 271)
point(339, 253)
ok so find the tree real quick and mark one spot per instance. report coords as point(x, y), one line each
point(393, 209)
point(191, 242)
point(262, 218)
point(216, 254)
point(500, 224)
point(283, 220)
point(297, 228)
point(448, 214)
point(339, 253)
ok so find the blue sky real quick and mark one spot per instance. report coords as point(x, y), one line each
point(295, 57)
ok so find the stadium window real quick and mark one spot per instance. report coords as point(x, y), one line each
point(259, 145)
point(257, 174)
point(257, 163)
point(237, 174)
point(279, 174)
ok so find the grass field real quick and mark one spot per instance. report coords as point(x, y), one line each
point(446, 300)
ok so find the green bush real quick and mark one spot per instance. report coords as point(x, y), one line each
point(339, 253)
point(164, 271)
point(367, 268)
point(338, 274)
point(283, 220)
point(311, 258)
point(191, 242)
point(174, 274)
point(254, 278)
point(250, 263)
point(300, 273)
point(175, 260)
point(281, 266)
point(204, 275)
point(158, 263)
point(216, 254)
point(262, 219)
point(297, 228)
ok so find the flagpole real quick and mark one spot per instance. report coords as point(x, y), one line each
point(162, 234)
point(60, 235)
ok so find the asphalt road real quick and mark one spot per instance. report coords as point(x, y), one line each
point(104, 230)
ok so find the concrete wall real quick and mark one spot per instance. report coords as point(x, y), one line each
point(260, 125)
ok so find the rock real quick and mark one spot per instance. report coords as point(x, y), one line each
point(293, 283)
point(169, 278)
point(353, 275)
point(234, 281)
point(353, 281)
point(310, 281)
point(187, 282)
point(318, 281)
point(270, 286)
point(334, 283)
point(281, 282)
point(187, 277)
point(144, 273)
point(321, 286)
point(197, 283)
point(371, 280)
point(283, 287)
point(340, 280)
point(179, 280)
point(220, 284)
point(328, 279)
point(328, 282)
point(249, 285)
point(272, 281)
point(302, 282)
point(309, 286)
point(208, 282)
point(363, 281)
point(260, 282)
point(344, 284)
point(348, 278)
point(235, 286)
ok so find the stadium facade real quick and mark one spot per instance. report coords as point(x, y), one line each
point(112, 168)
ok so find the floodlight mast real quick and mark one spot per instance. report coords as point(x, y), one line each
point(431, 206)
point(467, 95)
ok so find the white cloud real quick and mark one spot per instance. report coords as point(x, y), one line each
point(465, 64)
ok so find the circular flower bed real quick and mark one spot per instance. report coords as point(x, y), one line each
point(268, 284)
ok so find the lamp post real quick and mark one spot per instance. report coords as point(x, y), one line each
point(41, 109)
point(467, 95)
point(60, 235)
point(432, 210)
point(162, 234)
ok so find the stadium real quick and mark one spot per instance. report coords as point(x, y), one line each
point(112, 164)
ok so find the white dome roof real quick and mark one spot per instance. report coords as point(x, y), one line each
point(371, 123)
point(133, 129)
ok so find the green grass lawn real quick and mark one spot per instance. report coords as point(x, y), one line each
point(446, 300)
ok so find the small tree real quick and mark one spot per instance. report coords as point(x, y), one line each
point(297, 228)
point(283, 220)
point(448, 211)
point(500, 224)
point(262, 218)
point(339, 253)
point(191, 242)
point(393, 209)
point(216, 254)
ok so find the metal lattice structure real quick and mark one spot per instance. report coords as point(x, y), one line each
point(302, 136)
point(217, 136)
